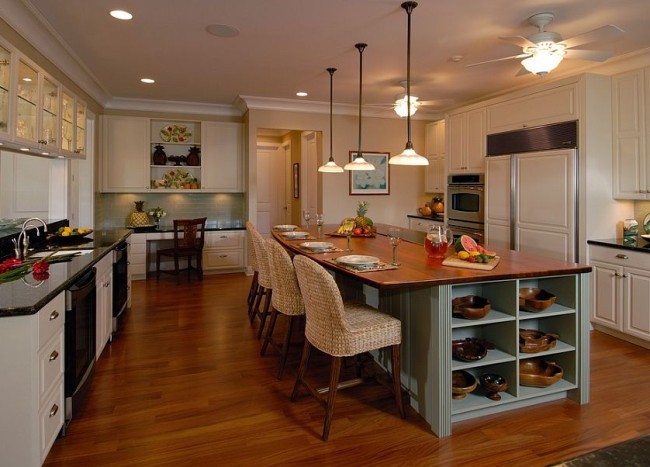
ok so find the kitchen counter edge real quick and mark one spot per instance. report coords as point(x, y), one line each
point(638, 244)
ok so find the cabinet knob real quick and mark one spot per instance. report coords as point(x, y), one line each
point(54, 410)
point(621, 256)
point(54, 315)
point(54, 355)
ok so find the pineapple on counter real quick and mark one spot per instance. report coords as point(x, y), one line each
point(359, 225)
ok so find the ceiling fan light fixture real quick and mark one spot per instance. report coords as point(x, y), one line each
point(330, 166)
point(543, 61)
point(401, 106)
point(408, 156)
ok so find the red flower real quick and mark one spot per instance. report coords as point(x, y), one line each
point(40, 267)
point(41, 276)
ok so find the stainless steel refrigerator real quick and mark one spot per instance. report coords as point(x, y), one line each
point(531, 191)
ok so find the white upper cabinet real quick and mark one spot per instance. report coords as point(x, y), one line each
point(125, 154)
point(541, 108)
point(434, 174)
point(221, 148)
point(631, 134)
point(466, 142)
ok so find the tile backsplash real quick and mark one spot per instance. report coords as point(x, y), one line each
point(221, 209)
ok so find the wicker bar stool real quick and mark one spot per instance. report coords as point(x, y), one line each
point(252, 262)
point(286, 299)
point(265, 286)
point(341, 330)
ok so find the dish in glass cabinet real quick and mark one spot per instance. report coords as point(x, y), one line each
point(285, 227)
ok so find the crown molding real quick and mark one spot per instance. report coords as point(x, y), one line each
point(35, 29)
point(150, 105)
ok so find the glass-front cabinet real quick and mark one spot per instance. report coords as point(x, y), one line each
point(5, 81)
point(50, 114)
point(80, 127)
point(26, 102)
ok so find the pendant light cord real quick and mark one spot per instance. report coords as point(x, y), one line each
point(361, 48)
point(331, 72)
point(408, 6)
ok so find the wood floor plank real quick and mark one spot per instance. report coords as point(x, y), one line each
point(183, 384)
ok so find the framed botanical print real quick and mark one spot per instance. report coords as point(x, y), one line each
point(371, 182)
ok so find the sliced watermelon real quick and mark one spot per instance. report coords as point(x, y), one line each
point(466, 243)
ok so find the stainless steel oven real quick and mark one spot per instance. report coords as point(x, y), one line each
point(465, 199)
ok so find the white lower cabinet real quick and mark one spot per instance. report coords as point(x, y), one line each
point(138, 256)
point(104, 303)
point(32, 362)
point(224, 250)
point(620, 293)
point(421, 225)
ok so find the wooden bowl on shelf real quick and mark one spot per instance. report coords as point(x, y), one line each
point(493, 384)
point(534, 299)
point(539, 373)
point(533, 341)
point(468, 350)
point(462, 383)
point(471, 307)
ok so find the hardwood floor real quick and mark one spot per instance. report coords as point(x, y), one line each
point(183, 384)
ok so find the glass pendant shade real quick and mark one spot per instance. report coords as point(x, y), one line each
point(542, 62)
point(359, 163)
point(330, 166)
point(408, 156)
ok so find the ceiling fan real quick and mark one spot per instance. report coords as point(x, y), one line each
point(543, 51)
point(400, 107)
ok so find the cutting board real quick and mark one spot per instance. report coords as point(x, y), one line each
point(459, 263)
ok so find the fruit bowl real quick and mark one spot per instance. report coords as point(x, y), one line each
point(533, 341)
point(539, 373)
point(534, 299)
point(462, 383)
point(493, 384)
point(471, 307)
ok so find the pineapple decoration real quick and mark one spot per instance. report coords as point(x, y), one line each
point(139, 218)
point(362, 221)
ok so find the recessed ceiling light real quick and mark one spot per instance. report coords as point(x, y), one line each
point(222, 30)
point(301, 94)
point(27, 80)
point(148, 80)
point(121, 14)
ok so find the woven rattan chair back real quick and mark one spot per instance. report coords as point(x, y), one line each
point(259, 244)
point(252, 260)
point(286, 297)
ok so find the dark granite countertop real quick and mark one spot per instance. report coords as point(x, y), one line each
point(432, 217)
point(633, 243)
point(26, 296)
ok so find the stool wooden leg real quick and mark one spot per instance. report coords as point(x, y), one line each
point(265, 312)
point(252, 293)
point(395, 361)
point(269, 332)
point(261, 291)
point(306, 350)
point(335, 373)
point(285, 347)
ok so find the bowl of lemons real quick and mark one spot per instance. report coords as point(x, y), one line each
point(71, 234)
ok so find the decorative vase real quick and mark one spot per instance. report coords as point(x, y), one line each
point(193, 158)
point(139, 218)
point(159, 155)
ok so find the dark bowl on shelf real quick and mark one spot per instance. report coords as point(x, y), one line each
point(533, 341)
point(493, 384)
point(534, 299)
point(471, 306)
point(539, 373)
point(462, 383)
point(468, 350)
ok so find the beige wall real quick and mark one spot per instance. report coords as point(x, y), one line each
point(378, 134)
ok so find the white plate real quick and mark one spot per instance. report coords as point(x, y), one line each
point(646, 236)
point(317, 246)
point(285, 227)
point(295, 234)
point(646, 224)
point(357, 260)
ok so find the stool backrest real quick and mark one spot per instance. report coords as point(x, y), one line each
point(189, 234)
point(252, 259)
point(263, 268)
point(286, 296)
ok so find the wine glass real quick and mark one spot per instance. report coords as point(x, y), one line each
point(395, 238)
point(307, 216)
point(348, 235)
point(319, 222)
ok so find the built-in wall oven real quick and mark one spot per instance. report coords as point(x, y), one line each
point(120, 283)
point(79, 343)
point(465, 204)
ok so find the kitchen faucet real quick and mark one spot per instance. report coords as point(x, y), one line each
point(23, 234)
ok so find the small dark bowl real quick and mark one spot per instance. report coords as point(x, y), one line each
point(533, 341)
point(471, 306)
point(468, 350)
point(493, 384)
point(539, 373)
point(534, 299)
point(462, 383)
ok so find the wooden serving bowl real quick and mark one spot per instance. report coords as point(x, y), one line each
point(468, 350)
point(539, 373)
point(471, 307)
point(534, 299)
point(533, 341)
point(493, 384)
point(462, 383)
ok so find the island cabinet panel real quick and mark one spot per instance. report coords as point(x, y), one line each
point(32, 361)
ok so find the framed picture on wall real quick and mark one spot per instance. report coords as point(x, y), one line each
point(371, 182)
point(296, 180)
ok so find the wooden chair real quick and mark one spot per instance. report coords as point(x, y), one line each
point(265, 286)
point(286, 300)
point(252, 263)
point(341, 330)
point(189, 238)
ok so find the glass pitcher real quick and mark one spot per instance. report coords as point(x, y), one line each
point(439, 238)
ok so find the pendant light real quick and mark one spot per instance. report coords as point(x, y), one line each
point(330, 166)
point(359, 163)
point(408, 156)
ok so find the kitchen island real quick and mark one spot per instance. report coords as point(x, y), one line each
point(420, 291)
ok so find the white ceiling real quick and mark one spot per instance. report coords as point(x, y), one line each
point(285, 45)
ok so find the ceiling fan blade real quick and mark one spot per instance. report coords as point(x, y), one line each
point(437, 102)
point(521, 41)
point(593, 55)
point(499, 59)
point(602, 33)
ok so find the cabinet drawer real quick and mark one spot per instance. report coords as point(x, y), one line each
point(50, 364)
point(223, 259)
point(51, 420)
point(50, 319)
point(138, 249)
point(421, 225)
point(619, 257)
point(224, 240)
